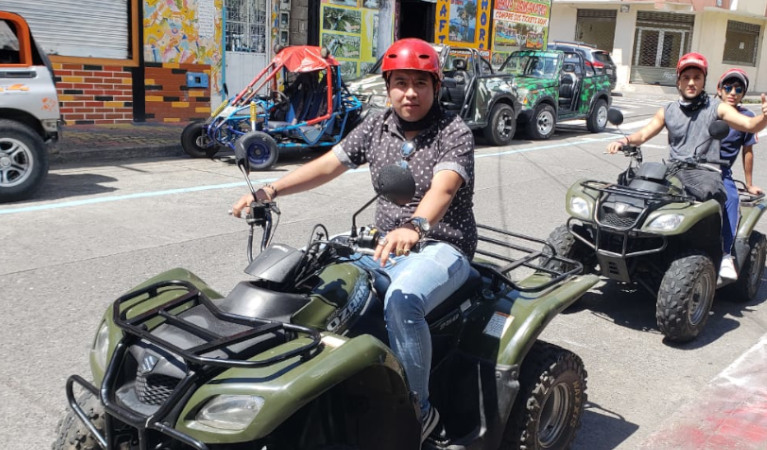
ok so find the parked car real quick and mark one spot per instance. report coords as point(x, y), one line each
point(484, 98)
point(599, 59)
point(554, 86)
point(30, 120)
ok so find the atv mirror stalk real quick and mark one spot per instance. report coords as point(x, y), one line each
point(241, 158)
point(354, 217)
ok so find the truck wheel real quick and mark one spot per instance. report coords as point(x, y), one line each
point(196, 142)
point(567, 246)
point(685, 297)
point(502, 125)
point(261, 149)
point(23, 161)
point(552, 394)
point(72, 434)
point(750, 276)
point(543, 122)
point(597, 120)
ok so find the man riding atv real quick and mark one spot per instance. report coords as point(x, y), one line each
point(687, 121)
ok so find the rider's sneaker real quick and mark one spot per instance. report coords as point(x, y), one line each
point(727, 269)
point(429, 422)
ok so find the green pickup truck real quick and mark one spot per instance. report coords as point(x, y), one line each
point(555, 86)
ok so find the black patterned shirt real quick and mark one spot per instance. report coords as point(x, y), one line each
point(448, 144)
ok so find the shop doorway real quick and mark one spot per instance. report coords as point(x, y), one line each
point(416, 20)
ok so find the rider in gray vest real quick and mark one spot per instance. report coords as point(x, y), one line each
point(687, 121)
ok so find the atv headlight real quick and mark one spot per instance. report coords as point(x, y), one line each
point(230, 412)
point(580, 207)
point(101, 346)
point(665, 222)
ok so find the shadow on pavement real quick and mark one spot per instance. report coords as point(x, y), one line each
point(58, 186)
point(602, 429)
point(633, 307)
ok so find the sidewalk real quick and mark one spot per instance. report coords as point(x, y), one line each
point(86, 143)
point(731, 413)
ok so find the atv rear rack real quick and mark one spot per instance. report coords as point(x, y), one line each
point(612, 188)
point(508, 243)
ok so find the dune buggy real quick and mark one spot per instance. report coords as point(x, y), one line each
point(297, 101)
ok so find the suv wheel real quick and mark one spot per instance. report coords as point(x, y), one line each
point(543, 122)
point(501, 126)
point(597, 120)
point(23, 161)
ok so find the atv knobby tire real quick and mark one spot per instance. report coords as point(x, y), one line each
point(502, 125)
point(685, 297)
point(567, 246)
point(72, 433)
point(23, 161)
point(548, 409)
point(750, 275)
point(196, 142)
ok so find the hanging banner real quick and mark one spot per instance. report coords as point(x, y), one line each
point(463, 23)
point(519, 24)
point(356, 32)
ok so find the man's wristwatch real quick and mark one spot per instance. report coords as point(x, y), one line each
point(421, 226)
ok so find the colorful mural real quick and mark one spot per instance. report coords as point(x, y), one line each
point(463, 23)
point(185, 32)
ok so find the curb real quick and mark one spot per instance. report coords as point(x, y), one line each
point(115, 154)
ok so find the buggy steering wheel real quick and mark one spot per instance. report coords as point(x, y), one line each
point(280, 99)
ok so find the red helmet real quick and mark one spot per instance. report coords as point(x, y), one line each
point(736, 74)
point(692, 60)
point(412, 54)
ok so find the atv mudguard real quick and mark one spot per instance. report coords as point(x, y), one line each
point(530, 313)
point(749, 216)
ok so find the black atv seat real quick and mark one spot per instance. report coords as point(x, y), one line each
point(456, 298)
point(654, 171)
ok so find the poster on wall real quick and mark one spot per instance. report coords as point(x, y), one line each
point(354, 35)
point(463, 23)
point(518, 25)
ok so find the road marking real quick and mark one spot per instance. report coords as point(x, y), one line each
point(94, 201)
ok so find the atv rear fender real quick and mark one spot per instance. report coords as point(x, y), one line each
point(530, 314)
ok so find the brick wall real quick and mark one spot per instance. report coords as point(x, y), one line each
point(94, 94)
point(169, 99)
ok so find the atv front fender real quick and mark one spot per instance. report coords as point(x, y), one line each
point(530, 314)
point(750, 215)
point(288, 386)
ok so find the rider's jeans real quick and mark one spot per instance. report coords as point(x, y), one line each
point(419, 282)
point(731, 206)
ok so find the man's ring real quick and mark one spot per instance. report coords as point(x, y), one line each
point(382, 241)
point(400, 252)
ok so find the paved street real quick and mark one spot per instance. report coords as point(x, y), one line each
point(98, 229)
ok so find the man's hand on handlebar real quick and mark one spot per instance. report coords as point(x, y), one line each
point(243, 204)
point(615, 146)
point(754, 190)
point(397, 242)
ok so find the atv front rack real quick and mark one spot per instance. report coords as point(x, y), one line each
point(514, 253)
point(199, 366)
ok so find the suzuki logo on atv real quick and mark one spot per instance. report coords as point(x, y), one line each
point(621, 208)
point(147, 364)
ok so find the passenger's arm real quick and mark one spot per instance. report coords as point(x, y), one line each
point(742, 122)
point(748, 169)
point(641, 136)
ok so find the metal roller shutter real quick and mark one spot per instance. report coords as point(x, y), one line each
point(82, 28)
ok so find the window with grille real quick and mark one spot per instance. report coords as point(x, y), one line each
point(741, 43)
point(246, 26)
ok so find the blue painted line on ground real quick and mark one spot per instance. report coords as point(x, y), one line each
point(116, 198)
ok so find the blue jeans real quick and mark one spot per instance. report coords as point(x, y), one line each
point(731, 213)
point(419, 282)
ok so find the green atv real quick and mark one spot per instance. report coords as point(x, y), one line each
point(296, 357)
point(555, 86)
point(648, 231)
